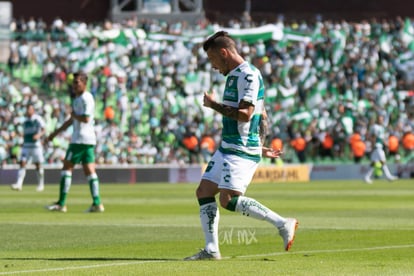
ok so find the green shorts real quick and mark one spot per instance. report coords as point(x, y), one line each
point(80, 153)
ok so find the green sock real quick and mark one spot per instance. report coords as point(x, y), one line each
point(65, 182)
point(231, 206)
point(94, 188)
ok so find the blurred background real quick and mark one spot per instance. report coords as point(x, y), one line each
point(334, 72)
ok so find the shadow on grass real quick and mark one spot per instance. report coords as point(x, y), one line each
point(89, 259)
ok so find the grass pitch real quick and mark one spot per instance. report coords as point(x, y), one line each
point(346, 228)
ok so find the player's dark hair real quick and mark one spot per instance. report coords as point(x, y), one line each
point(81, 75)
point(220, 39)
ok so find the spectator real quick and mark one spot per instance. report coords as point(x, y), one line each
point(122, 107)
point(109, 114)
point(393, 145)
point(408, 141)
point(191, 144)
point(358, 148)
point(277, 144)
point(299, 145)
point(23, 52)
point(408, 145)
point(207, 147)
point(350, 79)
point(13, 59)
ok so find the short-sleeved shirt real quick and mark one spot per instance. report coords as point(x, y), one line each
point(379, 132)
point(31, 127)
point(242, 138)
point(84, 133)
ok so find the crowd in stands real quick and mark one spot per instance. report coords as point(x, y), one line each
point(326, 88)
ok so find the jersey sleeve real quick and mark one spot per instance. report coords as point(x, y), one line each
point(249, 85)
point(89, 106)
point(41, 122)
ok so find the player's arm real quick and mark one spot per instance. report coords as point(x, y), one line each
point(263, 131)
point(65, 125)
point(80, 118)
point(241, 113)
point(38, 135)
point(271, 153)
point(264, 127)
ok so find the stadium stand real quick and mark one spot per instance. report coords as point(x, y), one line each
point(324, 80)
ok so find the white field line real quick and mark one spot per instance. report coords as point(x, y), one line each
point(78, 267)
point(236, 257)
point(391, 247)
point(94, 224)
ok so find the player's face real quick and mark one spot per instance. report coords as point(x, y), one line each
point(79, 85)
point(218, 61)
point(380, 120)
point(30, 111)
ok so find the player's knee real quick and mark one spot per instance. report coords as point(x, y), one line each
point(202, 192)
point(67, 165)
point(206, 189)
point(224, 202)
point(198, 192)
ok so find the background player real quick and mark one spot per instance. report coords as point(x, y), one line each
point(82, 146)
point(32, 151)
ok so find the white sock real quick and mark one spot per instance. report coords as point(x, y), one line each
point(20, 176)
point(210, 216)
point(252, 208)
point(41, 177)
point(387, 172)
point(369, 173)
point(94, 184)
point(67, 180)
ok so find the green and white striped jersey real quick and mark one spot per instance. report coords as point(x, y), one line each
point(242, 138)
point(31, 127)
point(84, 133)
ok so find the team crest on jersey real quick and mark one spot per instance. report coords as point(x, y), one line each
point(231, 83)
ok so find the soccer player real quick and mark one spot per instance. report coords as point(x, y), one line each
point(378, 160)
point(82, 146)
point(233, 165)
point(32, 151)
point(378, 164)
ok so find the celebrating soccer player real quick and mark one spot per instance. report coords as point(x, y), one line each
point(233, 165)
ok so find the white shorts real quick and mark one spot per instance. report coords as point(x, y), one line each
point(230, 171)
point(378, 154)
point(34, 155)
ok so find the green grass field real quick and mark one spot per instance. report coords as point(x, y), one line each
point(346, 228)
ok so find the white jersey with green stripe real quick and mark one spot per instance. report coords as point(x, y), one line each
point(84, 133)
point(31, 127)
point(245, 83)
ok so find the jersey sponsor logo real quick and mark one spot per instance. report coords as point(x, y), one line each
point(230, 92)
point(229, 95)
